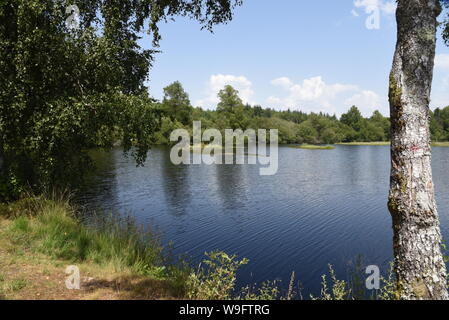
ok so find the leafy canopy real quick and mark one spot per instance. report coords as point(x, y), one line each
point(65, 91)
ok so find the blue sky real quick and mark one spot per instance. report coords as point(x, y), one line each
point(305, 55)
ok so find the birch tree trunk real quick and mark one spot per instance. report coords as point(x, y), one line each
point(419, 264)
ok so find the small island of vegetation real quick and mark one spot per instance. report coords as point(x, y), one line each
point(313, 147)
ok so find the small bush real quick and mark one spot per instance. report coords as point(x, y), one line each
point(217, 280)
point(338, 290)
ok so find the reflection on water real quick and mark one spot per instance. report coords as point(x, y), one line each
point(177, 191)
point(323, 206)
point(231, 185)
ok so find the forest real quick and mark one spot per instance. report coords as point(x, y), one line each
point(295, 126)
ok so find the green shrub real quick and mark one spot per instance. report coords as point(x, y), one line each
point(338, 290)
point(217, 280)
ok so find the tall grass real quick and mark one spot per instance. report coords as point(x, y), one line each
point(53, 228)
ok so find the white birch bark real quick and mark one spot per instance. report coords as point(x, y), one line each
point(419, 265)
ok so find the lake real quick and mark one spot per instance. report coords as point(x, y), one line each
point(323, 206)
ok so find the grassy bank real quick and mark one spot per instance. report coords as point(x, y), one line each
point(40, 238)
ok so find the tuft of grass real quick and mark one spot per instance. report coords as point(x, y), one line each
point(314, 147)
point(7, 287)
point(22, 207)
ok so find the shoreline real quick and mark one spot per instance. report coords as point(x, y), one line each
point(41, 238)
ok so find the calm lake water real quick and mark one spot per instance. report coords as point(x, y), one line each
point(323, 206)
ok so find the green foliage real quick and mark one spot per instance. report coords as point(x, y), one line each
point(216, 280)
point(338, 290)
point(162, 136)
point(376, 128)
point(388, 289)
point(380, 122)
point(439, 124)
point(66, 91)
point(287, 130)
point(294, 127)
point(353, 118)
point(267, 291)
point(176, 103)
point(10, 187)
point(231, 108)
point(308, 133)
point(323, 129)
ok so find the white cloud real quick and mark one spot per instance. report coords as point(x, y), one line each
point(368, 101)
point(442, 61)
point(218, 82)
point(309, 95)
point(314, 95)
point(283, 82)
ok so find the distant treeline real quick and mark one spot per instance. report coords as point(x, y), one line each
point(294, 127)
